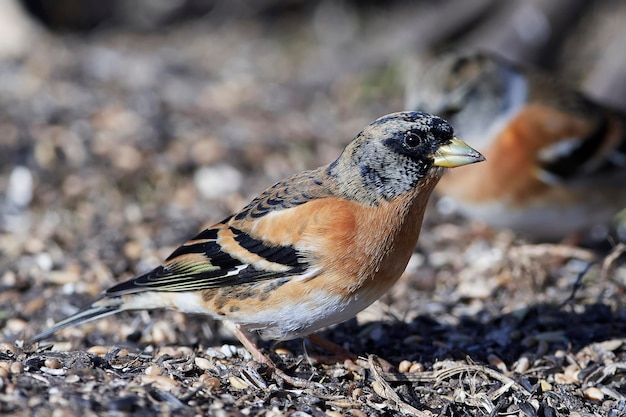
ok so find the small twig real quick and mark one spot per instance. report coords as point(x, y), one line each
point(386, 391)
point(450, 372)
point(578, 284)
point(609, 262)
point(447, 373)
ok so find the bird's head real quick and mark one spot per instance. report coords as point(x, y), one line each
point(470, 89)
point(453, 80)
point(395, 153)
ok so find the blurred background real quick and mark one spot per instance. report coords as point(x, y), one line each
point(126, 125)
point(580, 39)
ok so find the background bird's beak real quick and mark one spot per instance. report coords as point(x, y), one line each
point(455, 154)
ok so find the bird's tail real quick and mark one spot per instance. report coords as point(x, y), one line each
point(99, 309)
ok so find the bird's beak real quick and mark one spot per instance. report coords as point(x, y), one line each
point(455, 154)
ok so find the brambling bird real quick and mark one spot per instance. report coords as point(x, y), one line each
point(556, 161)
point(310, 251)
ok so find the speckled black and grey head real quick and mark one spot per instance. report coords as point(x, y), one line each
point(390, 156)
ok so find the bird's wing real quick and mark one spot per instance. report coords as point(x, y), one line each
point(244, 248)
point(595, 156)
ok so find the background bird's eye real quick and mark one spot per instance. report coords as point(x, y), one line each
point(411, 140)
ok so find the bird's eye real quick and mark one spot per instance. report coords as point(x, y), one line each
point(411, 140)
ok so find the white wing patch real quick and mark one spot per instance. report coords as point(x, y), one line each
point(561, 149)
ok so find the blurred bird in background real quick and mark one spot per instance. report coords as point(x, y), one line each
point(556, 161)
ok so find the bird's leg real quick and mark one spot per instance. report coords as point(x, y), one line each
point(262, 358)
point(340, 353)
point(251, 346)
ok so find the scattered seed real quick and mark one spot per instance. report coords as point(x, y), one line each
point(237, 382)
point(162, 382)
point(53, 371)
point(560, 353)
point(387, 367)
point(153, 370)
point(561, 378)
point(283, 351)
point(404, 366)
point(545, 385)
point(61, 347)
point(52, 363)
point(522, 365)
point(244, 354)
point(214, 353)
point(594, 394)
point(122, 353)
point(229, 350)
point(378, 389)
point(210, 382)
point(203, 363)
point(342, 403)
point(351, 366)
point(16, 368)
point(571, 372)
point(416, 367)
point(72, 379)
point(98, 350)
point(175, 351)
